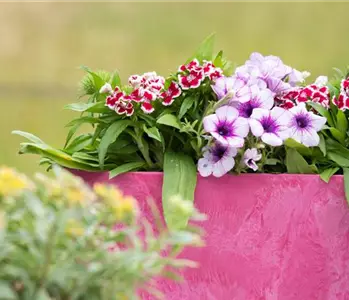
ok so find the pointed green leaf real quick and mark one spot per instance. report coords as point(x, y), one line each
point(115, 80)
point(291, 143)
point(98, 81)
point(95, 107)
point(169, 120)
point(339, 136)
point(322, 111)
point(79, 143)
point(296, 164)
point(153, 133)
point(110, 136)
point(322, 144)
point(186, 105)
point(328, 173)
point(28, 136)
point(342, 122)
point(205, 50)
point(179, 180)
point(131, 166)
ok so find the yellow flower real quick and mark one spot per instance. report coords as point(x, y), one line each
point(74, 228)
point(13, 183)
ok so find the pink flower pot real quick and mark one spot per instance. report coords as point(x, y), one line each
point(269, 237)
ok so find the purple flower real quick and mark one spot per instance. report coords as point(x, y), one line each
point(217, 160)
point(250, 158)
point(227, 127)
point(304, 125)
point(270, 125)
point(239, 88)
point(262, 99)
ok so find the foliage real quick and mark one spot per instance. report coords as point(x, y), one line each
point(61, 240)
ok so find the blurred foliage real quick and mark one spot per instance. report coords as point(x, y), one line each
point(43, 44)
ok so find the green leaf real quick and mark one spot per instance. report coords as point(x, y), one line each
point(126, 168)
point(337, 153)
point(339, 136)
point(291, 143)
point(6, 293)
point(79, 143)
point(322, 144)
point(179, 180)
point(89, 120)
point(98, 81)
point(342, 122)
point(115, 80)
point(322, 111)
point(169, 120)
point(328, 173)
point(272, 161)
point(42, 295)
point(59, 157)
point(205, 50)
point(296, 164)
point(346, 183)
point(110, 136)
point(153, 133)
point(28, 136)
point(95, 107)
point(186, 105)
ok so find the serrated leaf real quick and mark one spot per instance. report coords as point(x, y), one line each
point(126, 168)
point(110, 136)
point(296, 164)
point(169, 120)
point(179, 180)
point(186, 105)
point(153, 133)
point(328, 173)
point(29, 136)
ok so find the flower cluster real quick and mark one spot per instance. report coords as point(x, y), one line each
point(150, 87)
point(261, 104)
point(342, 100)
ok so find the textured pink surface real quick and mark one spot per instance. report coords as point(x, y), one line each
point(269, 237)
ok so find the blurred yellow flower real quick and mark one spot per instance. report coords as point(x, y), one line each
point(123, 208)
point(74, 228)
point(13, 183)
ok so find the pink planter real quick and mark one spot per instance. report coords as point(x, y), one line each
point(269, 237)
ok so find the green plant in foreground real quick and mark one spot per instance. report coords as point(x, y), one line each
point(61, 240)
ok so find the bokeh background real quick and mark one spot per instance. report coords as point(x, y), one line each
point(42, 46)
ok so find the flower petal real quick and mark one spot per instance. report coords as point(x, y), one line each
point(223, 166)
point(259, 113)
point(235, 141)
point(227, 113)
point(271, 139)
point(310, 138)
point(256, 127)
point(241, 127)
point(210, 123)
point(205, 167)
point(317, 121)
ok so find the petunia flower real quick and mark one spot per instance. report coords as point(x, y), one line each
point(304, 125)
point(250, 158)
point(263, 99)
point(227, 127)
point(270, 125)
point(217, 160)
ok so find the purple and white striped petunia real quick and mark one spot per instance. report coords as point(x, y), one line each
point(270, 125)
point(250, 158)
point(263, 99)
point(227, 127)
point(217, 160)
point(304, 125)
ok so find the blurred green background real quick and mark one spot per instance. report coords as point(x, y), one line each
point(43, 44)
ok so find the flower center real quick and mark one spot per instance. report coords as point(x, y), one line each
point(225, 129)
point(302, 121)
point(218, 152)
point(246, 109)
point(269, 125)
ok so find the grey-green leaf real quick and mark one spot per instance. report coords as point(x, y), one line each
point(179, 179)
point(126, 168)
point(296, 164)
point(110, 136)
point(169, 120)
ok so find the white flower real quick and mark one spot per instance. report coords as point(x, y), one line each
point(321, 81)
point(250, 158)
point(106, 89)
